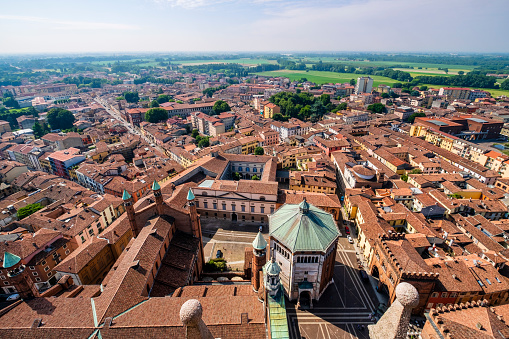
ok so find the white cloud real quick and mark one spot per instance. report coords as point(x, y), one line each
point(69, 25)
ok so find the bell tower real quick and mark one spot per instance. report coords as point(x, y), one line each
point(128, 204)
point(158, 196)
point(259, 259)
point(195, 222)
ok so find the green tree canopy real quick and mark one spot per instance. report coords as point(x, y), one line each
point(204, 142)
point(221, 106)
point(24, 212)
point(377, 108)
point(255, 177)
point(40, 130)
point(259, 151)
point(154, 103)
point(505, 85)
point(194, 133)
point(131, 97)
point(163, 98)
point(415, 115)
point(59, 118)
point(11, 102)
point(156, 114)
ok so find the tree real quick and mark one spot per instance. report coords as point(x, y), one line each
point(11, 102)
point(59, 118)
point(40, 130)
point(404, 177)
point(397, 85)
point(154, 103)
point(236, 176)
point(505, 85)
point(221, 106)
point(204, 142)
point(377, 108)
point(385, 95)
point(131, 97)
point(194, 133)
point(416, 171)
point(163, 98)
point(415, 115)
point(259, 151)
point(423, 88)
point(156, 114)
point(461, 72)
point(255, 177)
point(325, 98)
point(352, 82)
point(24, 212)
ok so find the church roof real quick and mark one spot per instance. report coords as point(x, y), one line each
point(272, 268)
point(303, 227)
point(155, 186)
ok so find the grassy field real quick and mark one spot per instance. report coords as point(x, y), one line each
point(326, 77)
point(244, 61)
point(332, 77)
point(391, 63)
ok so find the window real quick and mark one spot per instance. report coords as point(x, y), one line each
point(305, 272)
point(444, 295)
point(430, 305)
point(2, 277)
point(243, 208)
point(434, 295)
point(247, 169)
point(37, 279)
point(254, 170)
point(233, 207)
point(32, 268)
point(197, 204)
point(91, 232)
point(271, 209)
point(262, 198)
point(205, 204)
point(240, 169)
point(46, 269)
point(67, 252)
point(453, 295)
point(6, 283)
point(43, 262)
point(35, 274)
point(224, 207)
point(204, 193)
point(440, 305)
point(262, 209)
point(252, 209)
point(214, 206)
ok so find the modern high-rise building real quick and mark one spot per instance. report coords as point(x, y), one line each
point(364, 85)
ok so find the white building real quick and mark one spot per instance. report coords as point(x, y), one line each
point(364, 85)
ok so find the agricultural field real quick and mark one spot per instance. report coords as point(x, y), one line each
point(243, 61)
point(320, 77)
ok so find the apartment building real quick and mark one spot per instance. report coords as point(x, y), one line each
point(62, 161)
point(455, 93)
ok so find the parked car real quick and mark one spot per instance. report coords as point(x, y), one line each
point(13, 297)
point(350, 240)
point(347, 230)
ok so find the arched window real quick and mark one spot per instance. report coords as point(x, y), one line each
point(204, 193)
point(262, 198)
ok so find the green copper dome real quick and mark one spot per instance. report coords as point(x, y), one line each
point(303, 227)
point(126, 196)
point(190, 195)
point(272, 268)
point(10, 259)
point(155, 186)
point(259, 242)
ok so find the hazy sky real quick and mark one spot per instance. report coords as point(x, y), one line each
point(34, 26)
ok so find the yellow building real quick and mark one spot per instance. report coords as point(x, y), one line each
point(418, 131)
point(269, 110)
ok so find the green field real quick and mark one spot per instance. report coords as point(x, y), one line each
point(389, 63)
point(332, 77)
point(244, 61)
point(326, 77)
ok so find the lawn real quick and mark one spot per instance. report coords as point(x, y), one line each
point(326, 77)
point(494, 92)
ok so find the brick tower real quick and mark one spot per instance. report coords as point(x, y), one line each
point(159, 197)
point(259, 259)
point(195, 222)
point(129, 208)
